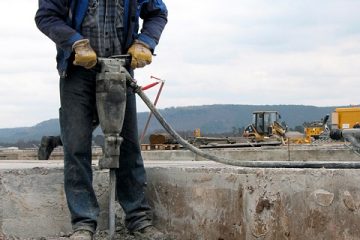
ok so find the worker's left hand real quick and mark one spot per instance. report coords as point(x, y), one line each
point(140, 55)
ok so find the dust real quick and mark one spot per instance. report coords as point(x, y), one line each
point(121, 234)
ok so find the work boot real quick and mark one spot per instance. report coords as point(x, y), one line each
point(149, 233)
point(47, 145)
point(82, 235)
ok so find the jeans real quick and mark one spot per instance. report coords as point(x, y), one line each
point(77, 115)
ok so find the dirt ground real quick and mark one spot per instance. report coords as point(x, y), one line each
point(121, 234)
point(121, 231)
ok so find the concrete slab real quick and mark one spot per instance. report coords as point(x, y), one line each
point(197, 199)
point(32, 199)
point(211, 201)
point(328, 152)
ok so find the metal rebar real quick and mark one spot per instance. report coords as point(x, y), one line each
point(150, 114)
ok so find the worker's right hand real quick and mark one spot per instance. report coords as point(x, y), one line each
point(85, 56)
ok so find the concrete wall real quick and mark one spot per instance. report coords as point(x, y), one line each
point(196, 200)
point(334, 152)
point(32, 154)
point(33, 204)
point(212, 202)
point(295, 152)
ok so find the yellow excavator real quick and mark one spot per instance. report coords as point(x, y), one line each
point(317, 129)
point(265, 126)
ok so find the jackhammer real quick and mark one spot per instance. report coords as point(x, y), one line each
point(111, 103)
point(111, 82)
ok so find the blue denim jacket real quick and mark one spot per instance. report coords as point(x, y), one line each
point(61, 21)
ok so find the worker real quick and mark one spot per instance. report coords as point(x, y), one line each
point(82, 31)
point(356, 125)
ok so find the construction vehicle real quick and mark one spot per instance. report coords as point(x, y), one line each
point(265, 126)
point(317, 129)
point(343, 118)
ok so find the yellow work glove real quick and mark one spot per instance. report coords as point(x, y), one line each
point(140, 55)
point(84, 54)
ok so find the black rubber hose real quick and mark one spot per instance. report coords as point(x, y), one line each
point(234, 162)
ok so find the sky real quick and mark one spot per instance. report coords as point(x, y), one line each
point(211, 52)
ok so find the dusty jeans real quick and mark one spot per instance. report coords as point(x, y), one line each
point(77, 113)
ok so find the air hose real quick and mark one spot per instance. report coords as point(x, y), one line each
point(234, 162)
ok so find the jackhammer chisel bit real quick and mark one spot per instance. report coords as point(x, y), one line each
point(111, 103)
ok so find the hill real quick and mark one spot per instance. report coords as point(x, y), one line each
point(222, 118)
point(209, 118)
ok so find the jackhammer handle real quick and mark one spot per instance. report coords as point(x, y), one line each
point(126, 57)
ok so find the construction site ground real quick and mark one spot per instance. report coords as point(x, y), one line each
point(195, 199)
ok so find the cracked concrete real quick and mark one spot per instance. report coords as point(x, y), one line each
point(198, 200)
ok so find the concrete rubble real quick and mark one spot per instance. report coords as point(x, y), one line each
point(196, 199)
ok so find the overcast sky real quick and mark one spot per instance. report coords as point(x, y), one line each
point(211, 52)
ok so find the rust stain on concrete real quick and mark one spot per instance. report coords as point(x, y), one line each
point(349, 201)
point(323, 197)
point(317, 220)
point(202, 179)
point(262, 204)
point(231, 178)
point(205, 212)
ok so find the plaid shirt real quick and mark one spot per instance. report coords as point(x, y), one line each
point(103, 25)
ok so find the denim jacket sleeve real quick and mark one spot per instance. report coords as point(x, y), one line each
point(51, 18)
point(154, 14)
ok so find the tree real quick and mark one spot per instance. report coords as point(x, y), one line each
point(299, 129)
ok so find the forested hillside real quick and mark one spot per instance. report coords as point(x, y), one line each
point(209, 118)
